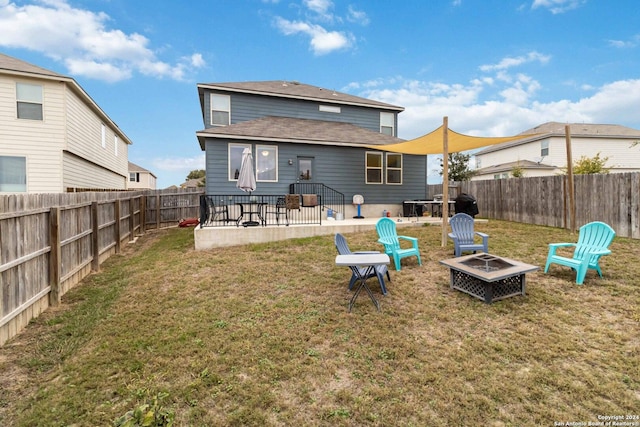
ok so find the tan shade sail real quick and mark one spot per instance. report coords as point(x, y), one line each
point(444, 141)
point(431, 143)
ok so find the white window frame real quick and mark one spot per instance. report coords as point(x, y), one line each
point(29, 99)
point(134, 176)
point(219, 107)
point(9, 187)
point(368, 168)
point(230, 169)
point(387, 121)
point(272, 155)
point(544, 148)
point(389, 168)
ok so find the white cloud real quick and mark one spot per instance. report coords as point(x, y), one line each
point(322, 41)
point(558, 6)
point(320, 7)
point(357, 16)
point(633, 42)
point(82, 40)
point(173, 164)
point(485, 107)
point(507, 63)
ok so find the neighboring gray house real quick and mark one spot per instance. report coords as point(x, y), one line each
point(53, 136)
point(300, 133)
point(545, 153)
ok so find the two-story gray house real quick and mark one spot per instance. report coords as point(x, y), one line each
point(300, 133)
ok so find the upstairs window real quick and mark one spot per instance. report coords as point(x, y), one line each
point(134, 176)
point(394, 168)
point(373, 168)
point(387, 124)
point(29, 100)
point(544, 148)
point(13, 174)
point(220, 110)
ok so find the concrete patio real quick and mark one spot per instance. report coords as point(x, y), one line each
point(215, 237)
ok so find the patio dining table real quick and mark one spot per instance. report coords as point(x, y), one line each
point(251, 208)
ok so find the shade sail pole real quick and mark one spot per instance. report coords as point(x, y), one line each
point(445, 178)
point(572, 201)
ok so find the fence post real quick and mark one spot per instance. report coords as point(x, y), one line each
point(143, 214)
point(54, 256)
point(158, 212)
point(132, 222)
point(95, 237)
point(117, 214)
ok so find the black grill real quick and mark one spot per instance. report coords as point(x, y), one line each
point(466, 203)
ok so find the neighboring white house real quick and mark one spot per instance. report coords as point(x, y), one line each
point(141, 178)
point(546, 152)
point(53, 136)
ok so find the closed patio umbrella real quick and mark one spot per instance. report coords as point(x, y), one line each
point(246, 178)
point(247, 182)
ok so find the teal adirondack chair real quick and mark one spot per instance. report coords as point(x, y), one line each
point(593, 242)
point(463, 235)
point(388, 236)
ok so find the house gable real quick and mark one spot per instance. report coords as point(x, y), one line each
point(548, 148)
point(329, 130)
point(259, 99)
point(73, 144)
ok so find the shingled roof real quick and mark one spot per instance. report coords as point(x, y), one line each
point(556, 129)
point(507, 167)
point(584, 129)
point(287, 129)
point(12, 64)
point(293, 89)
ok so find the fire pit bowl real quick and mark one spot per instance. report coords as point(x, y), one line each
point(488, 277)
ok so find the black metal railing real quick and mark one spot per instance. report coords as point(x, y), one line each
point(224, 210)
point(331, 198)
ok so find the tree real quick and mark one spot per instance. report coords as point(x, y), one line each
point(590, 165)
point(196, 174)
point(458, 167)
point(517, 171)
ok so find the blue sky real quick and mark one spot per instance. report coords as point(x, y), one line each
point(493, 67)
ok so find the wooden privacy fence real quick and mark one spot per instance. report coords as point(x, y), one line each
point(610, 198)
point(50, 242)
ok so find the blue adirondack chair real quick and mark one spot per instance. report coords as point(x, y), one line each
point(381, 270)
point(463, 235)
point(593, 242)
point(388, 236)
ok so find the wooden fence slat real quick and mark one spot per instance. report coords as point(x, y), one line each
point(54, 257)
point(51, 241)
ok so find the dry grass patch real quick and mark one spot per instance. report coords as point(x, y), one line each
point(260, 335)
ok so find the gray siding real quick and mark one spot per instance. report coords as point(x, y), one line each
point(246, 107)
point(341, 168)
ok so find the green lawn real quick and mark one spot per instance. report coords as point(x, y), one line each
point(260, 335)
